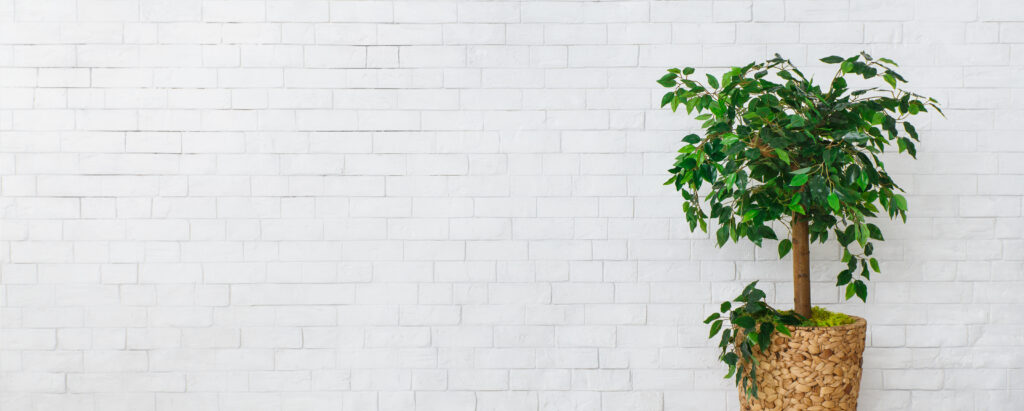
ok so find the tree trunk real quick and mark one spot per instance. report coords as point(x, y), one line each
point(801, 267)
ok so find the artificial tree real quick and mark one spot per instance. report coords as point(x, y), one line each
point(778, 148)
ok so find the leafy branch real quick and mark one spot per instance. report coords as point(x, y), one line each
point(753, 324)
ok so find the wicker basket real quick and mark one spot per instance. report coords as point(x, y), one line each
point(818, 369)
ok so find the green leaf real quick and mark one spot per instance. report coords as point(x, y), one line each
point(667, 98)
point(856, 137)
point(861, 290)
point(875, 233)
point(839, 84)
point(844, 278)
point(844, 239)
point(749, 215)
point(726, 306)
point(890, 79)
point(783, 329)
point(668, 80)
point(910, 130)
point(712, 81)
point(798, 180)
point(753, 338)
point(722, 235)
point(753, 309)
point(784, 247)
point(688, 71)
point(744, 321)
point(691, 138)
point(830, 156)
point(847, 66)
point(715, 328)
point(818, 189)
point(874, 265)
point(850, 291)
point(764, 336)
point(782, 155)
point(900, 202)
point(711, 318)
point(730, 358)
point(726, 339)
point(887, 61)
point(755, 295)
point(833, 201)
point(862, 234)
point(832, 59)
point(905, 142)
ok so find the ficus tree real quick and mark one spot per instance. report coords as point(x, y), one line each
point(778, 147)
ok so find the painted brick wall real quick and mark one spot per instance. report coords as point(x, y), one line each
point(457, 205)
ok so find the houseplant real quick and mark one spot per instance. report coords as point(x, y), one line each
point(779, 151)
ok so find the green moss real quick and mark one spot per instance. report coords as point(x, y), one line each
point(821, 317)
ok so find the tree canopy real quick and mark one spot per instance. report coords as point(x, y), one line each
point(777, 146)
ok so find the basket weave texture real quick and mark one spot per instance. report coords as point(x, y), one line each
point(818, 369)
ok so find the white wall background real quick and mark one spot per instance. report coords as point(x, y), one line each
point(457, 205)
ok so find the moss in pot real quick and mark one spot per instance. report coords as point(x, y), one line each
point(779, 150)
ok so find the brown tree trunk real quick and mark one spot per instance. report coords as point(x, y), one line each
point(801, 267)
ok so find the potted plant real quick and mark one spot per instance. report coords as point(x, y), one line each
point(779, 151)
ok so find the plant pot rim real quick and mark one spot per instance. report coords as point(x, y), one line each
point(858, 323)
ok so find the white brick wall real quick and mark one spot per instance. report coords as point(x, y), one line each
point(457, 205)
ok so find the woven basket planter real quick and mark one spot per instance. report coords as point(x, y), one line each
point(818, 369)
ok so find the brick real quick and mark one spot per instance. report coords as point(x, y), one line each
point(913, 379)
point(419, 12)
point(445, 401)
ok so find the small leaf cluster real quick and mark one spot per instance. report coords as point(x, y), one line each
point(753, 324)
point(776, 146)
